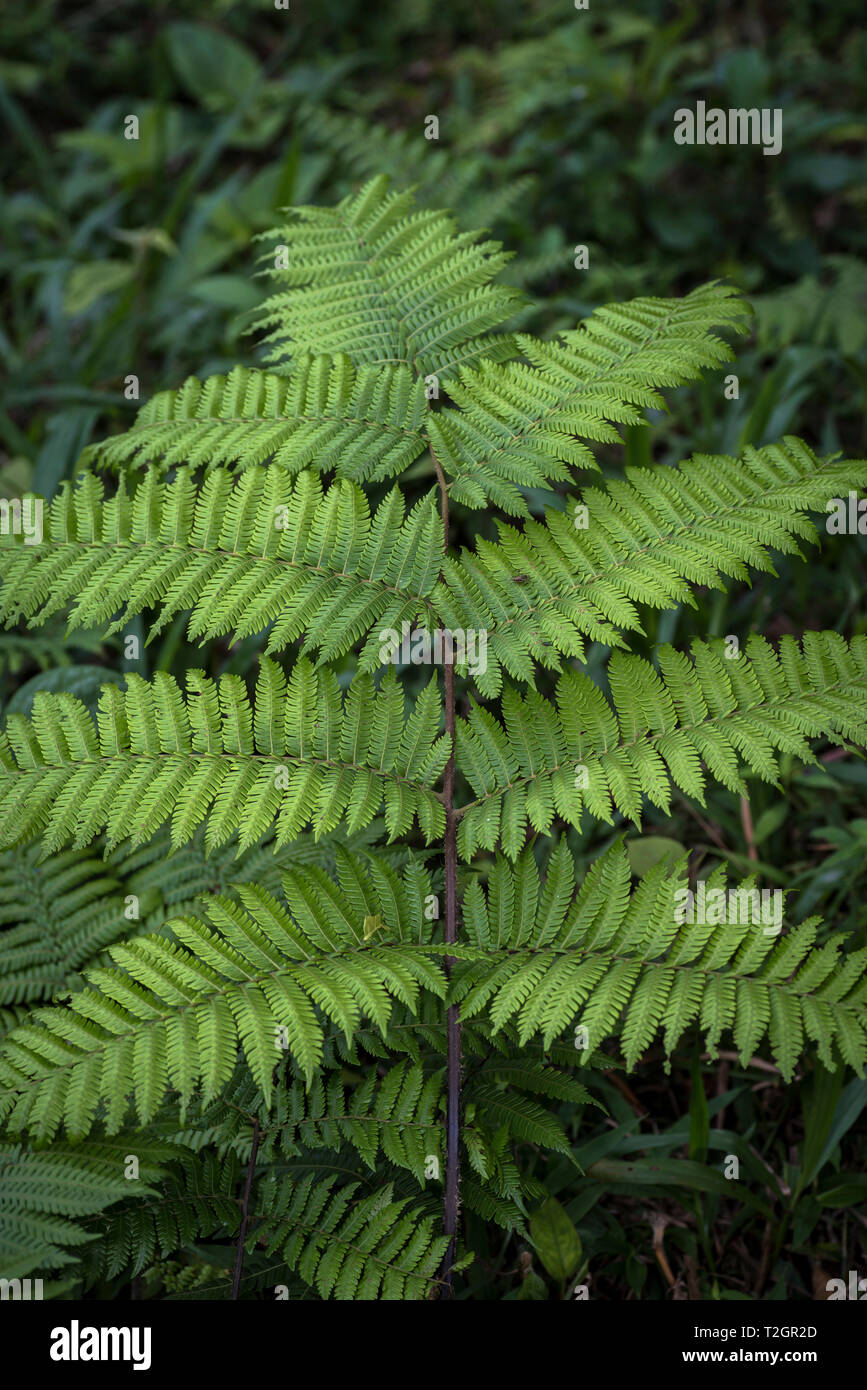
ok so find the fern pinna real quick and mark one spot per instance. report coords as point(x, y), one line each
point(292, 1017)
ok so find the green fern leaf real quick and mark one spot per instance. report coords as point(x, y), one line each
point(543, 591)
point(623, 962)
point(365, 423)
point(353, 1248)
point(691, 719)
point(519, 425)
point(174, 1009)
point(386, 284)
point(298, 755)
point(241, 555)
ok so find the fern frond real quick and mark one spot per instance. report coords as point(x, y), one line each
point(172, 1013)
point(352, 1248)
point(395, 1111)
point(519, 425)
point(620, 961)
point(55, 916)
point(542, 591)
point(42, 1198)
point(396, 1114)
point(177, 878)
point(240, 555)
point(692, 718)
point(276, 1022)
point(196, 1197)
point(60, 913)
point(384, 283)
point(297, 754)
point(365, 422)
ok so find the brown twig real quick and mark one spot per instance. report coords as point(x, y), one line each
point(245, 1213)
point(722, 1085)
point(628, 1095)
point(758, 1062)
point(749, 834)
point(658, 1225)
point(710, 830)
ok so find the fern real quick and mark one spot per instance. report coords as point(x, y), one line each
point(297, 754)
point(365, 424)
point(173, 1012)
point(696, 716)
point(193, 1198)
point(372, 1248)
point(277, 1034)
point(57, 916)
point(43, 1197)
point(369, 150)
point(542, 591)
point(395, 1112)
point(607, 957)
point(385, 284)
point(518, 422)
point(240, 556)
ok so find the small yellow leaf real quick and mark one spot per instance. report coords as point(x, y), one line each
point(371, 925)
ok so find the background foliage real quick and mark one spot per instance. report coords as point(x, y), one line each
point(121, 257)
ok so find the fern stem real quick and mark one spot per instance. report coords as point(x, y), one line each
point(245, 1213)
point(453, 1027)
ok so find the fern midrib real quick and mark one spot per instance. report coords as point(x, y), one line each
point(650, 739)
point(724, 972)
point(342, 1116)
point(254, 558)
point(333, 1118)
point(127, 756)
point(378, 285)
point(179, 1200)
point(255, 422)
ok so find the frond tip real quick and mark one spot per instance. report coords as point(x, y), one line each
point(385, 283)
